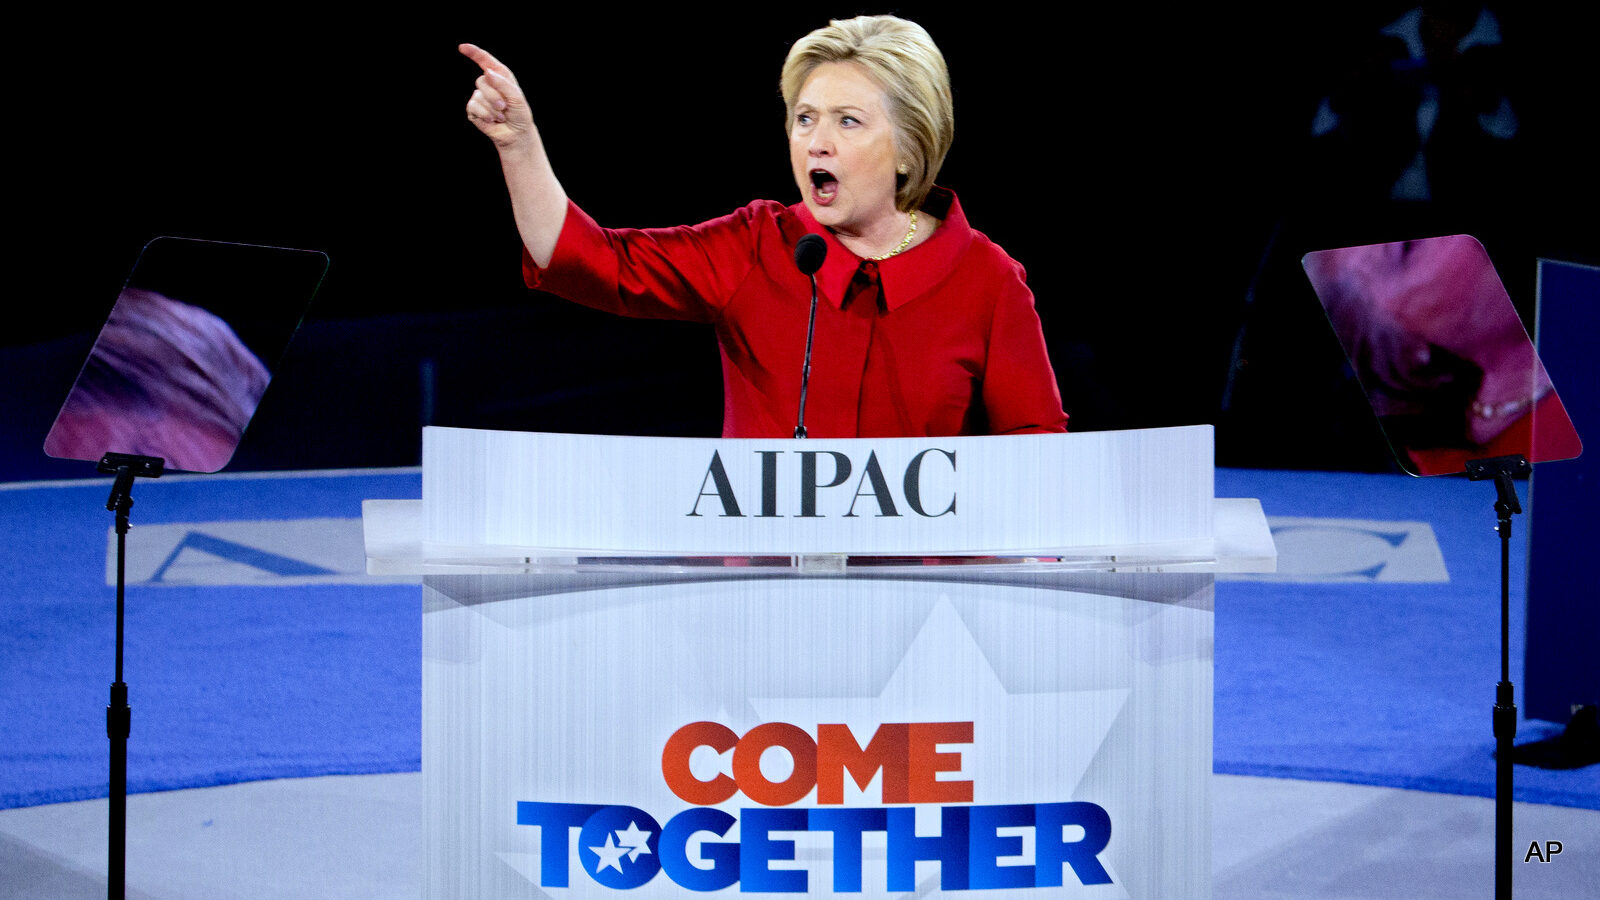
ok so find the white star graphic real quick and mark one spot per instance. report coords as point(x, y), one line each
point(635, 840)
point(1025, 747)
point(610, 856)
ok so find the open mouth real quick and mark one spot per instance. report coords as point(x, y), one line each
point(824, 185)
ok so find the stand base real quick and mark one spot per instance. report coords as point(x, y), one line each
point(1574, 748)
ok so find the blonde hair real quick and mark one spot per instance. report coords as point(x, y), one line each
point(903, 60)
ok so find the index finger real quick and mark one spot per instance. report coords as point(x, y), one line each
point(485, 60)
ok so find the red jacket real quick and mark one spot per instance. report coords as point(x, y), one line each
point(951, 346)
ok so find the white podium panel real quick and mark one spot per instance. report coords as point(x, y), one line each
point(1046, 735)
point(967, 667)
point(1146, 492)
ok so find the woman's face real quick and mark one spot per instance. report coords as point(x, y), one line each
point(841, 147)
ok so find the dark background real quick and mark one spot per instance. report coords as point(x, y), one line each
point(1155, 172)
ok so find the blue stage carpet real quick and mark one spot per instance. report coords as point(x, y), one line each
point(1387, 684)
point(291, 663)
point(227, 684)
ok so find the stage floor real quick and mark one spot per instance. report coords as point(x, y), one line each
point(361, 837)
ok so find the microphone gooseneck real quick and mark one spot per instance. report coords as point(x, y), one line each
point(809, 254)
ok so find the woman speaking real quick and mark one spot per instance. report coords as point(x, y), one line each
point(924, 326)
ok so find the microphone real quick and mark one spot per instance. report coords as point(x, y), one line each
point(809, 253)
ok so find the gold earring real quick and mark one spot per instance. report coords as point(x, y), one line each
point(902, 170)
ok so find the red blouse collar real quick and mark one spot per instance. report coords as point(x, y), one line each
point(908, 275)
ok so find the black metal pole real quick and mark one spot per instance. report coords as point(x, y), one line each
point(119, 724)
point(1505, 723)
point(1501, 469)
point(119, 717)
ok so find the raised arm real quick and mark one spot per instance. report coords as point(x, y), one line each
point(500, 110)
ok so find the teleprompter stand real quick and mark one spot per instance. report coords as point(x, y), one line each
point(1380, 300)
point(172, 381)
point(119, 716)
point(1502, 469)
